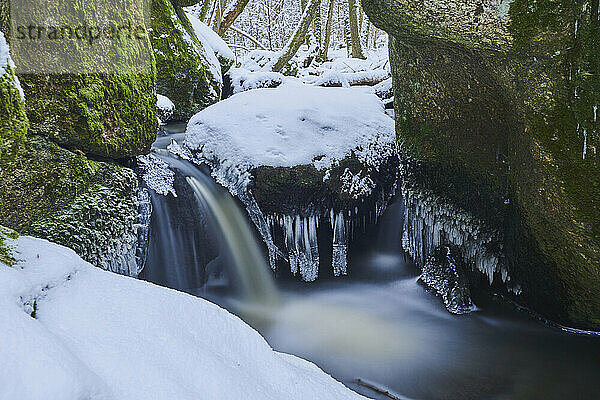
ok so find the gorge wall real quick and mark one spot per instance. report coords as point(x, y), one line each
point(496, 107)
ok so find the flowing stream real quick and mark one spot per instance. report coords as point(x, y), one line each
point(378, 331)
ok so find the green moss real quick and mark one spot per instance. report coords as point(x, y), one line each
point(108, 115)
point(183, 73)
point(6, 256)
point(107, 108)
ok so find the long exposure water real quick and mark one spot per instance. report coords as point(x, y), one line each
point(379, 330)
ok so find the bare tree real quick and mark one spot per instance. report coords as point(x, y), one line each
point(230, 15)
point(204, 10)
point(298, 37)
point(325, 48)
point(354, 29)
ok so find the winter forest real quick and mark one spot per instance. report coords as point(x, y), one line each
point(299, 199)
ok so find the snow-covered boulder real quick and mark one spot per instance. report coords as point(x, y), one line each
point(305, 157)
point(165, 108)
point(70, 331)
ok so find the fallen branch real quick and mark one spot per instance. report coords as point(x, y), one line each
point(385, 392)
point(248, 36)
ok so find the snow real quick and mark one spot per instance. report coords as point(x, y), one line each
point(6, 61)
point(208, 37)
point(164, 103)
point(165, 107)
point(72, 331)
point(293, 124)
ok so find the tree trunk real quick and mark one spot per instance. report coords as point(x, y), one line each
point(231, 14)
point(354, 32)
point(325, 47)
point(204, 10)
point(318, 28)
point(298, 37)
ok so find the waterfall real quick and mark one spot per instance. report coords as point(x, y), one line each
point(200, 233)
point(248, 261)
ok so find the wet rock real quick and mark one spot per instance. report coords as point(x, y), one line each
point(496, 108)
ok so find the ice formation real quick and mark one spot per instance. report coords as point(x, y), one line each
point(156, 174)
point(300, 237)
point(432, 224)
point(442, 273)
point(143, 228)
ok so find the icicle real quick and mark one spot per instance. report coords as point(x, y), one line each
point(340, 246)
point(584, 143)
point(308, 262)
point(291, 244)
point(430, 223)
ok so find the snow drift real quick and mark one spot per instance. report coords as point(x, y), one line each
point(72, 331)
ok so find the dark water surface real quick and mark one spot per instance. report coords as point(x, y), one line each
point(379, 325)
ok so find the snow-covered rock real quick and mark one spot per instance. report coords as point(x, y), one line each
point(299, 154)
point(291, 125)
point(165, 108)
point(72, 331)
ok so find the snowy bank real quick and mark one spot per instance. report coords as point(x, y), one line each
point(72, 331)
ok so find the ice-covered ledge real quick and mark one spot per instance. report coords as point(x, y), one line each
point(297, 153)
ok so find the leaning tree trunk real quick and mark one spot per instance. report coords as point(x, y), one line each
point(325, 48)
point(298, 37)
point(354, 32)
point(231, 15)
point(204, 10)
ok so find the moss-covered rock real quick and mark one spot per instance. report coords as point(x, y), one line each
point(107, 115)
point(497, 109)
point(89, 206)
point(102, 106)
point(184, 73)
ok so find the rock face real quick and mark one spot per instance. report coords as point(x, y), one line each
point(185, 73)
point(496, 105)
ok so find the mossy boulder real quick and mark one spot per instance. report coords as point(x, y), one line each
point(89, 206)
point(497, 108)
point(184, 73)
point(100, 98)
point(106, 115)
